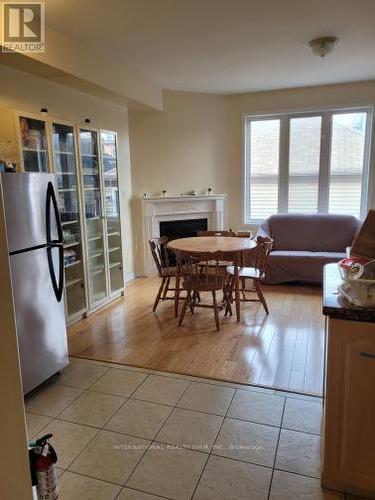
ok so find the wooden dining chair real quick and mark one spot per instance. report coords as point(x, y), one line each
point(202, 275)
point(228, 234)
point(246, 253)
point(244, 234)
point(165, 271)
point(217, 233)
point(254, 269)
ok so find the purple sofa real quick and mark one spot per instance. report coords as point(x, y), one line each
point(304, 243)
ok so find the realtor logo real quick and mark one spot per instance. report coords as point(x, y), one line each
point(23, 27)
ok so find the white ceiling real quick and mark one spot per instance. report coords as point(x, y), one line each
point(225, 46)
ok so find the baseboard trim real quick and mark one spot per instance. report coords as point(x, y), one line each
point(130, 277)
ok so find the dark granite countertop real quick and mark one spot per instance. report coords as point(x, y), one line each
point(338, 307)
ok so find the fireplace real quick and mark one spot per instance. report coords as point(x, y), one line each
point(179, 217)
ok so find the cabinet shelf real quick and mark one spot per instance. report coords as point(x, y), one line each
point(65, 223)
point(95, 238)
point(96, 255)
point(98, 297)
point(34, 150)
point(115, 233)
point(95, 272)
point(67, 266)
point(115, 264)
point(74, 282)
point(113, 249)
point(73, 244)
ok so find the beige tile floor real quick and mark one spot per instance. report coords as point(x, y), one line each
point(131, 434)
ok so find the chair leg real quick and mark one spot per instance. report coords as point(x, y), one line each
point(159, 294)
point(237, 298)
point(176, 296)
point(260, 295)
point(184, 307)
point(216, 311)
point(193, 301)
point(166, 288)
point(243, 288)
point(229, 297)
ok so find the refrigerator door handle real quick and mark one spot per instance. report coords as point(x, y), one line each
point(58, 286)
point(51, 197)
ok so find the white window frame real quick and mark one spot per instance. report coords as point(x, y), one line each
point(368, 177)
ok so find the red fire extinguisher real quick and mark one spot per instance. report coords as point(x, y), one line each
point(43, 472)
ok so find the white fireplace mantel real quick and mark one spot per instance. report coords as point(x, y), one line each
point(167, 208)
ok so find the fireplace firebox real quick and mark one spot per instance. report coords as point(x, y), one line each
point(186, 228)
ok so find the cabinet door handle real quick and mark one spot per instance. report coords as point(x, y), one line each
point(367, 355)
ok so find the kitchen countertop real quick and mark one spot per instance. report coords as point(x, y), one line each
point(338, 307)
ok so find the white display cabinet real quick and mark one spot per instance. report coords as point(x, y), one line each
point(85, 162)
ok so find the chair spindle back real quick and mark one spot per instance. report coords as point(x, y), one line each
point(263, 250)
point(160, 253)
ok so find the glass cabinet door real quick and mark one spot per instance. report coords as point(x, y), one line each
point(94, 215)
point(34, 144)
point(112, 209)
point(66, 172)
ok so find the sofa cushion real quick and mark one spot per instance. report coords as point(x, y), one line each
point(316, 232)
point(306, 254)
point(288, 265)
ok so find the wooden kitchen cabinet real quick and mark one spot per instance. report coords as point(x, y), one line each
point(349, 410)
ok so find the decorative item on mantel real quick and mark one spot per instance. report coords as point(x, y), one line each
point(164, 193)
point(189, 193)
point(209, 191)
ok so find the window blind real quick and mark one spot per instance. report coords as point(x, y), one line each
point(290, 157)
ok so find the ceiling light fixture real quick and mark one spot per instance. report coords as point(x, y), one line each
point(323, 45)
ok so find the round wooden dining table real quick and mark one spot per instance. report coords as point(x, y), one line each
point(209, 244)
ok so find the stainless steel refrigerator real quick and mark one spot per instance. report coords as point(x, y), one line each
point(35, 245)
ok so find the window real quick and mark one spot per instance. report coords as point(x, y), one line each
point(314, 162)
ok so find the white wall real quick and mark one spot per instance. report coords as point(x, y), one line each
point(196, 142)
point(28, 93)
point(71, 63)
point(180, 149)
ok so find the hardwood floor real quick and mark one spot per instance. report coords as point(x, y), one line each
point(284, 350)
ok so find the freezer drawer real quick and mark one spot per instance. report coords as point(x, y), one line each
point(40, 318)
point(25, 202)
